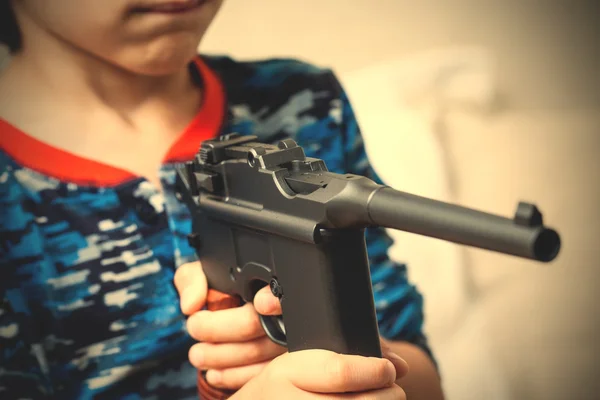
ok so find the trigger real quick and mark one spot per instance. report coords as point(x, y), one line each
point(274, 328)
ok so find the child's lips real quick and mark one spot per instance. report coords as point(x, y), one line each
point(172, 6)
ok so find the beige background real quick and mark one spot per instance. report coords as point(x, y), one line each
point(483, 103)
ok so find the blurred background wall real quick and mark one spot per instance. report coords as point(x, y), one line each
point(483, 103)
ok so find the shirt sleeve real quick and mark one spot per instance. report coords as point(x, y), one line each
point(398, 303)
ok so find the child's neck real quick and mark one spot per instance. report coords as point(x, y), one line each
point(78, 102)
point(49, 62)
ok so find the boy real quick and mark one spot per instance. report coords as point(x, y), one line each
point(99, 101)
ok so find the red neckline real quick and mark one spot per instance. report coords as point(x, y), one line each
point(65, 166)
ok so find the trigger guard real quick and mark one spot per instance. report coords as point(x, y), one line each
point(274, 328)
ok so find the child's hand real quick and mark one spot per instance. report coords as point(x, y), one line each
point(234, 348)
point(320, 374)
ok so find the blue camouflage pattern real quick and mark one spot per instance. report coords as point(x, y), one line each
point(89, 309)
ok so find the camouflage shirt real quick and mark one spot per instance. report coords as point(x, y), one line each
point(88, 251)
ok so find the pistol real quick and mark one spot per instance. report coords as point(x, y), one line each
point(266, 214)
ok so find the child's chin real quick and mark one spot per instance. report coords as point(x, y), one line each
point(159, 63)
point(161, 69)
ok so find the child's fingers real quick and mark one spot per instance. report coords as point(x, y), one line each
point(394, 392)
point(191, 285)
point(193, 298)
point(234, 378)
point(186, 274)
point(327, 372)
point(399, 363)
point(229, 355)
point(238, 324)
point(265, 303)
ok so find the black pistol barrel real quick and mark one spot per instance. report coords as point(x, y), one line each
point(523, 236)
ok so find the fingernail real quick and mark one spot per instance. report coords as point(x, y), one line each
point(396, 359)
point(213, 377)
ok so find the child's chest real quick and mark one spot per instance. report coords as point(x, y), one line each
point(91, 276)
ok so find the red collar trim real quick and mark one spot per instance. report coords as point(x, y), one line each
point(207, 123)
point(63, 165)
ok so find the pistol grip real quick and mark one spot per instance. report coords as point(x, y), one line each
point(216, 301)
